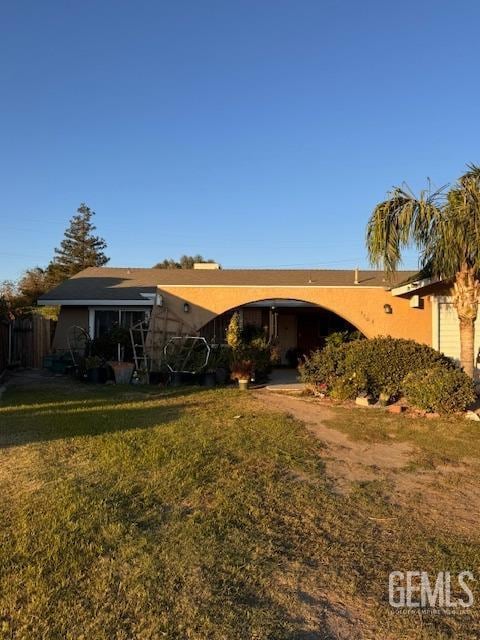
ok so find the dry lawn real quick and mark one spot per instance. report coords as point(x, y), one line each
point(139, 514)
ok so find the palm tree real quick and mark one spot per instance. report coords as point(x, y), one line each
point(444, 226)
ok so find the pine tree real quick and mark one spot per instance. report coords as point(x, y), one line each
point(79, 249)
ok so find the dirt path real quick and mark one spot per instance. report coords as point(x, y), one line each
point(448, 496)
point(346, 460)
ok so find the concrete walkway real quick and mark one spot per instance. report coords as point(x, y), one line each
point(285, 380)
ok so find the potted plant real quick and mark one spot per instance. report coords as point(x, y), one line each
point(241, 366)
point(94, 367)
point(217, 365)
point(242, 371)
point(293, 357)
point(223, 364)
point(112, 346)
point(251, 352)
point(140, 376)
point(209, 379)
point(122, 371)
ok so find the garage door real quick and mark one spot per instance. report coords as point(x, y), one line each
point(449, 331)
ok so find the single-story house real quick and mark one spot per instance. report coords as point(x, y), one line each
point(297, 307)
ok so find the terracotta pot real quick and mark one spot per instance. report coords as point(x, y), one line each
point(122, 371)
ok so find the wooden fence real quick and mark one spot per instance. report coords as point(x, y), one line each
point(4, 331)
point(25, 341)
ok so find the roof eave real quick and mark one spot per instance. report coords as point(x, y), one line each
point(93, 302)
point(412, 287)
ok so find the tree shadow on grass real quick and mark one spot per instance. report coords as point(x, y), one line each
point(16, 404)
point(52, 421)
point(73, 392)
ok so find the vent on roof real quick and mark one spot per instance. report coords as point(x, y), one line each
point(206, 265)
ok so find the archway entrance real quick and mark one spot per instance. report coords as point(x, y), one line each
point(297, 327)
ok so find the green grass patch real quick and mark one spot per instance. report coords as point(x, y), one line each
point(134, 514)
point(440, 440)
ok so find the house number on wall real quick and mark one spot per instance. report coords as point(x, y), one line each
point(367, 317)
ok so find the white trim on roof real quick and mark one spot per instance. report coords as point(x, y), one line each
point(413, 286)
point(272, 286)
point(87, 303)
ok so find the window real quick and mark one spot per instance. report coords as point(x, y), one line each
point(108, 319)
point(103, 321)
point(128, 317)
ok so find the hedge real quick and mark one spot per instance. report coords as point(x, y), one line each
point(376, 366)
point(439, 389)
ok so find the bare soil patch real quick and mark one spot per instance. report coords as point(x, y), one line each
point(447, 495)
point(347, 461)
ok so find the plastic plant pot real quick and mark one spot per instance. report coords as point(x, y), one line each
point(209, 379)
point(176, 379)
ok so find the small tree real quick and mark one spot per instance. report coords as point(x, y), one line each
point(234, 333)
point(33, 284)
point(242, 365)
point(22, 296)
point(8, 298)
point(79, 249)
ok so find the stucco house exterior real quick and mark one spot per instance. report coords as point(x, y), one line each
point(297, 307)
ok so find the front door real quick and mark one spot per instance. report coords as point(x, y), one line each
point(309, 331)
point(287, 334)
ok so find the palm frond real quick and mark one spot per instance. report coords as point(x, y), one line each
point(444, 226)
point(400, 221)
point(473, 173)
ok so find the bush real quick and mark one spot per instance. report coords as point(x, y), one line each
point(323, 367)
point(337, 338)
point(219, 357)
point(385, 362)
point(377, 366)
point(439, 389)
point(347, 387)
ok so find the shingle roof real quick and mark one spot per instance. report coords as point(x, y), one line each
point(106, 283)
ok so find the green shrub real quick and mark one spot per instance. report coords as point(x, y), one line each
point(385, 362)
point(261, 353)
point(378, 365)
point(340, 337)
point(323, 367)
point(347, 387)
point(219, 357)
point(439, 389)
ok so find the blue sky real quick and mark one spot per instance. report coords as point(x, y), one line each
point(256, 132)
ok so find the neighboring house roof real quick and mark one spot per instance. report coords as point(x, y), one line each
point(425, 286)
point(124, 284)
